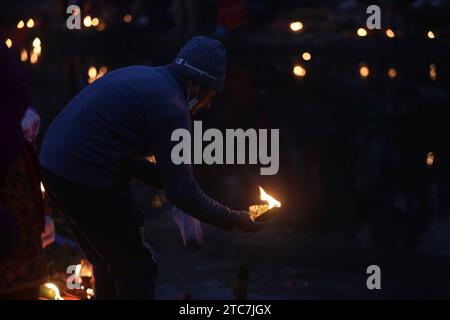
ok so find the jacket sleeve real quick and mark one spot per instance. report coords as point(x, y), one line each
point(179, 182)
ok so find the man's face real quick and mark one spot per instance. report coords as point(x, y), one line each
point(205, 98)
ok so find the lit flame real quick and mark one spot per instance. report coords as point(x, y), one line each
point(37, 50)
point(36, 42)
point(259, 209)
point(85, 269)
point(23, 55)
point(20, 24)
point(430, 34)
point(432, 72)
point(89, 293)
point(30, 23)
point(430, 159)
point(33, 57)
point(306, 56)
point(127, 18)
point(299, 71)
point(296, 26)
point(271, 202)
point(390, 33)
point(364, 71)
point(92, 74)
point(87, 21)
point(42, 187)
point(55, 289)
point(8, 43)
point(95, 22)
point(392, 73)
point(361, 32)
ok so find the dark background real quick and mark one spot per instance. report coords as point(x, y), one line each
point(354, 183)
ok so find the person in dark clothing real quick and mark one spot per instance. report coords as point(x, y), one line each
point(22, 264)
point(97, 143)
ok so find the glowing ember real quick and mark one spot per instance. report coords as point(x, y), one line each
point(259, 209)
point(55, 290)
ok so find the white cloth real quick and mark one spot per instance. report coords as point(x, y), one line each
point(190, 229)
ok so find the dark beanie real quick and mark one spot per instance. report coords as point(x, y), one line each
point(203, 60)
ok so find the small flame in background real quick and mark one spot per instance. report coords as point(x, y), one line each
point(430, 159)
point(42, 188)
point(55, 289)
point(271, 202)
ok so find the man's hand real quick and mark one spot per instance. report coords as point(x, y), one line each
point(244, 222)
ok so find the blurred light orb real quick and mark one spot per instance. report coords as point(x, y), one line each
point(430, 34)
point(433, 72)
point(306, 56)
point(30, 23)
point(37, 50)
point(296, 26)
point(101, 26)
point(390, 33)
point(392, 73)
point(430, 159)
point(8, 43)
point(33, 57)
point(92, 72)
point(361, 32)
point(95, 22)
point(299, 71)
point(21, 24)
point(23, 55)
point(87, 21)
point(127, 18)
point(36, 42)
point(364, 71)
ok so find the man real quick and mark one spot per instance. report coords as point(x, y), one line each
point(93, 147)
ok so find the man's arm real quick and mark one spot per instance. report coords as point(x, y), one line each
point(181, 187)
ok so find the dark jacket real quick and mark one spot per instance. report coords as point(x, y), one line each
point(128, 112)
